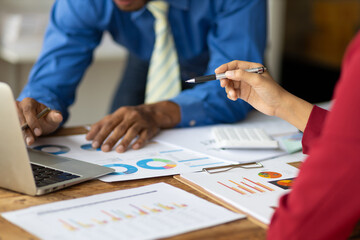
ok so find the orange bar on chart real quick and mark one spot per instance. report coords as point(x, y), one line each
point(242, 187)
point(232, 188)
point(260, 184)
point(256, 188)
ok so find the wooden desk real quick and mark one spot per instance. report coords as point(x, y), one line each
point(240, 229)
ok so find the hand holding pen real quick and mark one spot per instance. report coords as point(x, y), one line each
point(263, 93)
point(38, 116)
point(259, 90)
point(36, 119)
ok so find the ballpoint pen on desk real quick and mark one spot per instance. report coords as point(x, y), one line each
point(222, 75)
point(38, 116)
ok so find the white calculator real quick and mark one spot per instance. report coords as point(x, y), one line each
point(239, 137)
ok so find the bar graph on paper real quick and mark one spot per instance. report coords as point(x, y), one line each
point(255, 191)
point(246, 186)
point(149, 212)
point(112, 216)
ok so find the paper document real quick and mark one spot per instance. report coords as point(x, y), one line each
point(150, 212)
point(154, 160)
point(253, 191)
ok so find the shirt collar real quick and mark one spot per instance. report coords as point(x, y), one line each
point(180, 4)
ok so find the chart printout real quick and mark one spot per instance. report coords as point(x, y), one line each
point(255, 191)
point(149, 212)
point(154, 160)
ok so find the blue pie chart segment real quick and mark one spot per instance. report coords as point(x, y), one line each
point(146, 163)
point(53, 149)
point(129, 169)
point(88, 147)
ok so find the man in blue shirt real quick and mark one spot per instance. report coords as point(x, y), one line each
point(207, 33)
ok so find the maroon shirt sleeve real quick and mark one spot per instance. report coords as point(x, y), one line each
point(313, 128)
point(325, 200)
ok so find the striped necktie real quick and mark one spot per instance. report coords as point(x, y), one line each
point(163, 79)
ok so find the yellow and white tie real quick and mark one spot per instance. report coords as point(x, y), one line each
point(163, 79)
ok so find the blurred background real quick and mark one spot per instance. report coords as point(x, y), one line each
point(306, 42)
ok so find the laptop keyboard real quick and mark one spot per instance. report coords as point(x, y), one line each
point(46, 176)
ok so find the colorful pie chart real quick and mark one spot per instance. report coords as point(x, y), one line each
point(283, 183)
point(156, 164)
point(270, 174)
point(122, 169)
point(53, 149)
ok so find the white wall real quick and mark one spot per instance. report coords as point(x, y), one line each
point(26, 5)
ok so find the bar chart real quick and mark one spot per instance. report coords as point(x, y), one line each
point(149, 212)
point(246, 186)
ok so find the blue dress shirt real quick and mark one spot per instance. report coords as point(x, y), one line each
point(216, 30)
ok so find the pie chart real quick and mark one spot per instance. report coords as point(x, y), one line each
point(121, 169)
point(156, 164)
point(270, 174)
point(285, 183)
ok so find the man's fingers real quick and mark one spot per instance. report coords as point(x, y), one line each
point(94, 129)
point(130, 135)
point(107, 126)
point(20, 114)
point(28, 137)
point(54, 117)
point(142, 139)
point(115, 136)
point(127, 125)
point(30, 110)
point(104, 132)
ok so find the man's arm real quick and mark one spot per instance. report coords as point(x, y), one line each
point(238, 32)
point(72, 35)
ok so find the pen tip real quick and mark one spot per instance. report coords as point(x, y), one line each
point(190, 80)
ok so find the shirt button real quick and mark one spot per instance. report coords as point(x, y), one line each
point(192, 123)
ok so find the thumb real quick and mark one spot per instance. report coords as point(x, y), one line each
point(54, 117)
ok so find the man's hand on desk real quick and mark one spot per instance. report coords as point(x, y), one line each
point(142, 122)
point(33, 126)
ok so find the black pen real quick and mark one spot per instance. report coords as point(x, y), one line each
point(40, 115)
point(222, 75)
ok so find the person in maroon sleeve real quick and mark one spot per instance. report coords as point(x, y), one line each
point(325, 200)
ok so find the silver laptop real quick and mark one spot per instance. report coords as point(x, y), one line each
point(30, 171)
